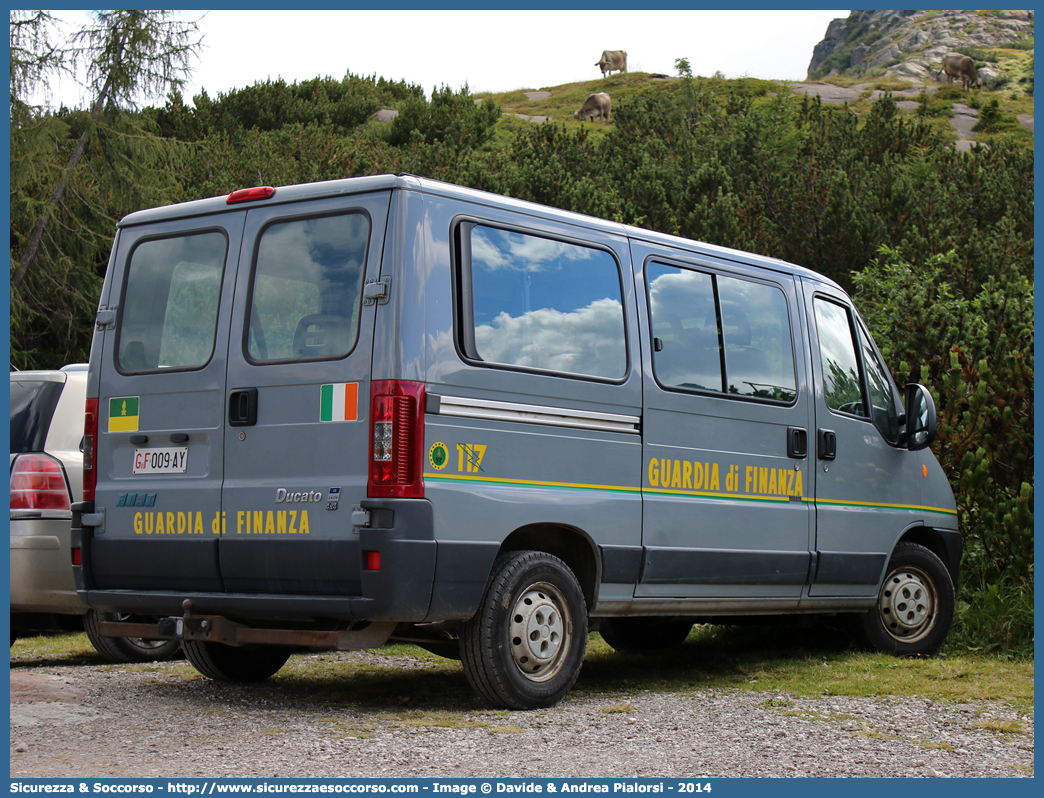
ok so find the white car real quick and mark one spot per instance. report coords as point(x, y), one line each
point(47, 412)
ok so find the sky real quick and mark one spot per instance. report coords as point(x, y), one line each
point(490, 51)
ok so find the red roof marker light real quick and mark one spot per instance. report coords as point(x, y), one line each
point(250, 194)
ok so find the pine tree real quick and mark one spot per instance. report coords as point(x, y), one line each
point(62, 215)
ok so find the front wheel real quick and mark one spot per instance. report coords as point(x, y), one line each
point(914, 609)
point(526, 644)
point(249, 663)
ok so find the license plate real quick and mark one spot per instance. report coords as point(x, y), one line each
point(168, 460)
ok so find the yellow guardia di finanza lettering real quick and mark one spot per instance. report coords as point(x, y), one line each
point(248, 522)
point(706, 477)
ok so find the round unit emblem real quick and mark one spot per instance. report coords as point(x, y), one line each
point(438, 456)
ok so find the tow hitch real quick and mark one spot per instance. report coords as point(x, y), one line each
point(218, 629)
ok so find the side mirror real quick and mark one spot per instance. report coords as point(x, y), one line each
point(920, 417)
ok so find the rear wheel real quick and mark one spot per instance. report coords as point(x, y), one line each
point(645, 634)
point(126, 649)
point(915, 605)
point(250, 663)
point(525, 646)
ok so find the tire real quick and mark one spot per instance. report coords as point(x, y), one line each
point(126, 649)
point(915, 605)
point(525, 646)
point(645, 634)
point(250, 663)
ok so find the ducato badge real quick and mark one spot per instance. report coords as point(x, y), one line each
point(292, 497)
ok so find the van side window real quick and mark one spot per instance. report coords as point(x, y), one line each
point(538, 303)
point(698, 317)
point(882, 399)
point(837, 352)
point(684, 328)
point(306, 289)
point(169, 309)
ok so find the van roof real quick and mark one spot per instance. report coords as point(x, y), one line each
point(356, 185)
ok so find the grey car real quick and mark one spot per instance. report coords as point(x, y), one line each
point(47, 411)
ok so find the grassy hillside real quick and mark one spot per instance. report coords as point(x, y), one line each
point(1013, 96)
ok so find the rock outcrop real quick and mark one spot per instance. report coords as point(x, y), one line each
point(909, 45)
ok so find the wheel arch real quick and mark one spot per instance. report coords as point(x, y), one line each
point(571, 545)
point(946, 544)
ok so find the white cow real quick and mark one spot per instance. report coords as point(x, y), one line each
point(595, 105)
point(612, 61)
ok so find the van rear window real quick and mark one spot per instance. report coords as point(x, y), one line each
point(306, 289)
point(539, 303)
point(169, 311)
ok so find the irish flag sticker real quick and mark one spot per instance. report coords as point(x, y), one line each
point(339, 402)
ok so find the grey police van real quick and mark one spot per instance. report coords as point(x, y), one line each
point(384, 408)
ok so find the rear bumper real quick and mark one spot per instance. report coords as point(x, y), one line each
point(243, 606)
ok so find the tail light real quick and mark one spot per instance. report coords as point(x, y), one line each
point(90, 459)
point(397, 439)
point(38, 483)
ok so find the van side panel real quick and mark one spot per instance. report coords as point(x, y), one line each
point(727, 507)
point(512, 453)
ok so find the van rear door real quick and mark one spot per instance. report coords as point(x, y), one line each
point(297, 396)
point(161, 400)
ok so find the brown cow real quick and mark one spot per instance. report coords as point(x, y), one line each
point(960, 66)
point(595, 105)
point(612, 61)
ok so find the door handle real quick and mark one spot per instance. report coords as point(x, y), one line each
point(797, 443)
point(826, 444)
point(242, 407)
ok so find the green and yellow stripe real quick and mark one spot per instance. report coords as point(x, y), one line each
point(914, 508)
point(529, 483)
point(711, 495)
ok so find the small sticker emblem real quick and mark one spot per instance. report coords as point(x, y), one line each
point(332, 498)
point(438, 456)
point(123, 414)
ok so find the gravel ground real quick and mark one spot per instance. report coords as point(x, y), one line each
point(161, 721)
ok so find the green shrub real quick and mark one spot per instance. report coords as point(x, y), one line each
point(980, 55)
point(950, 93)
point(932, 106)
point(971, 344)
point(993, 120)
